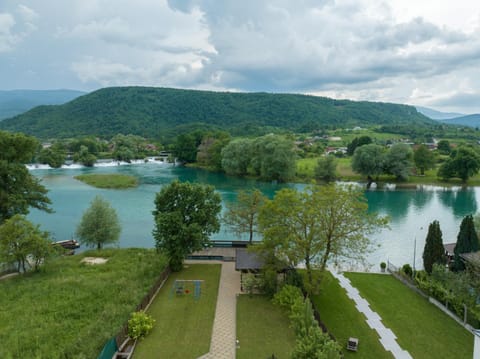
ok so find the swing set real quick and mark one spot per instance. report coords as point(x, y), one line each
point(182, 287)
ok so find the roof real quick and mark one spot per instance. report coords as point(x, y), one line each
point(247, 260)
point(449, 248)
point(473, 258)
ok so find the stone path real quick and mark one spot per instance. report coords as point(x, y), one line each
point(387, 338)
point(223, 343)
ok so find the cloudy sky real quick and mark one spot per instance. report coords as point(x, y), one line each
point(421, 52)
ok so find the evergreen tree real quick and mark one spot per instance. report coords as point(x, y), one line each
point(433, 251)
point(467, 242)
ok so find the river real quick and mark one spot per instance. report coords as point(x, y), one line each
point(410, 211)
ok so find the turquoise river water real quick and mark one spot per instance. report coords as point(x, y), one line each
point(410, 211)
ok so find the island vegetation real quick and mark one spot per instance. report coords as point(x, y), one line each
point(108, 180)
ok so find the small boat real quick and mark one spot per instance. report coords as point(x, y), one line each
point(67, 244)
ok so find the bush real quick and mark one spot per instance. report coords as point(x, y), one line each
point(383, 265)
point(287, 296)
point(139, 325)
point(407, 270)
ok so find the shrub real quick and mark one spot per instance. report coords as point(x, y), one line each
point(287, 296)
point(407, 270)
point(383, 265)
point(139, 325)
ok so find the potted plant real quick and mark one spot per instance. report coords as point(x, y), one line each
point(383, 265)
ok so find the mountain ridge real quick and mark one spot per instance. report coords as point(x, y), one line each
point(158, 112)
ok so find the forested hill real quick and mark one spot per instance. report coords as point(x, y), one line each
point(163, 112)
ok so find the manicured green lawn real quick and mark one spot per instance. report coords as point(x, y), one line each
point(183, 327)
point(70, 309)
point(263, 329)
point(108, 180)
point(343, 320)
point(420, 327)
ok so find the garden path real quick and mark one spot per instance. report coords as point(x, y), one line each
point(223, 342)
point(387, 337)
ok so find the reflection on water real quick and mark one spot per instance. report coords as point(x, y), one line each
point(410, 211)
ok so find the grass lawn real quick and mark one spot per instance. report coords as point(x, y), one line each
point(343, 320)
point(70, 309)
point(263, 329)
point(420, 327)
point(108, 180)
point(183, 327)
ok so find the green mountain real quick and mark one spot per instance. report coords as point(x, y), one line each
point(15, 102)
point(468, 120)
point(164, 112)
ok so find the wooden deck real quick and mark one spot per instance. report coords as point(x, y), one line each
point(215, 253)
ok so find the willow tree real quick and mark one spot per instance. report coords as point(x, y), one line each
point(316, 225)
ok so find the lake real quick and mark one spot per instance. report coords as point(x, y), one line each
point(410, 211)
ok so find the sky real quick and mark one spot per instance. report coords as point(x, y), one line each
point(419, 52)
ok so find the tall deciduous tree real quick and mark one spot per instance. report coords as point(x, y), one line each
point(273, 158)
point(54, 156)
point(20, 239)
point(357, 142)
point(242, 215)
point(369, 160)
point(318, 224)
point(326, 168)
point(85, 157)
point(433, 251)
point(99, 224)
point(464, 163)
point(19, 190)
point(467, 241)
point(398, 161)
point(186, 214)
point(424, 159)
point(236, 157)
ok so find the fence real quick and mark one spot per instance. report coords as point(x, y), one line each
point(468, 318)
point(144, 304)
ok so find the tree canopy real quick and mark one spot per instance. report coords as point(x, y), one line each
point(463, 163)
point(99, 224)
point(369, 160)
point(318, 224)
point(20, 239)
point(242, 215)
point(326, 168)
point(186, 214)
point(424, 159)
point(19, 190)
point(398, 161)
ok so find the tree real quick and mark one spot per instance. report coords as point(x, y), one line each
point(210, 149)
point(398, 161)
point(84, 157)
point(186, 214)
point(242, 216)
point(467, 242)
point(19, 190)
point(463, 163)
point(99, 224)
point(273, 158)
point(185, 147)
point(236, 157)
point(369, 160)
point(326, 168)
point(54, 156)
point(433, 251)
point(424, 159)
point(129, 147)
point(443, 147)
point(20, 239)
point(357, 142)
point(318, 224)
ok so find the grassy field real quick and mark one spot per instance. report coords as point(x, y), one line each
point(183, 327)
point(343, 320)
point(108, 180)
point(420, 327)
point(262, 329)
point(70, 309)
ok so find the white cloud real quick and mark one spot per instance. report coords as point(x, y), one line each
point(397, 50)
point(7, 38)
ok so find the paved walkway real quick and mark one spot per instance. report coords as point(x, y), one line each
point(223, 343)
point(387, 338)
